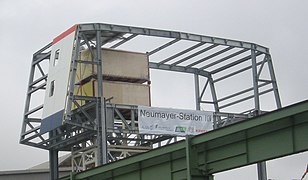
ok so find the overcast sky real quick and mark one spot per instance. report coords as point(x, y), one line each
point(28, 25)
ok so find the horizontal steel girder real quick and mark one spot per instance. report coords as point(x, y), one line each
point(178, 69)
point(237, 145)
point(171, 34)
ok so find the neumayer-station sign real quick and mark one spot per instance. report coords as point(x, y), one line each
point(169, 121)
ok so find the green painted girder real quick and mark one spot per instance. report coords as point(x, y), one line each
point(276, 134)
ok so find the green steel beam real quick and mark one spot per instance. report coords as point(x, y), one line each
point(276, 134)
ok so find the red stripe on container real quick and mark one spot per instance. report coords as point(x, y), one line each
point(64, 34)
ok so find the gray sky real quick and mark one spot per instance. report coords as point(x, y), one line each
point(26, 26)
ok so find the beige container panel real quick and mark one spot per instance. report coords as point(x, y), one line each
point(116, 63)
point(122, 93)
point(127, 93)
point(125, 64)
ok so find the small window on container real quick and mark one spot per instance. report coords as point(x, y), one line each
point(56, 59)
point(52, 88)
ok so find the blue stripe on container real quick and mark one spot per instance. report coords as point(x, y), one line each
point(51, 122)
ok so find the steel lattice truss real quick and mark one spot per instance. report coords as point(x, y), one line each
point(218, 66)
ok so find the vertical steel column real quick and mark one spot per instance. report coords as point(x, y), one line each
point(213, 92)
point(31, 78)
point(53, 164)
point(53, 161)
point(197, 93)
point(255, 81)
point(28, 99)
point(261, 166)
point(100, 114)
point(274, 82)
point(262, 174)
point(72, 77)
point(216, 120)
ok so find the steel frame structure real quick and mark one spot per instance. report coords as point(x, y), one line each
point(210, 60)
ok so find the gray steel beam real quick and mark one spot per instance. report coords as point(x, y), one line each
point(31, 131)
point(35, 131)
point(235, 73)
point(181, 53)
point(35, 120)
point(207, 102)
point(273, 77)
point(162, 47)
point(172, 34)
point(194, 54)
point(34, 145)
point(213, 92)
point(246, 98)
point(34, 89)
point(224, 59)
point(197, 92)
point(204, 88)
point(87, 115)
point(241, 92)
point(210, 56)
point(34, 110)
point(38, 80)
point(255, 81)
point(81, 125)
point(69, 142)
point(122, 118)
point(261, 168)
point(85, 98)
point(108, 39)
point(53, 164)
point(35, 135)
point(63, 135)
point(53, 160)
point(40, 57)
point(86, 41)
point(178, 69)
point(262, 65)
point(73, 69)
point(246, 58)
point(42, 49)
point(124, 41)
point(40, 69)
